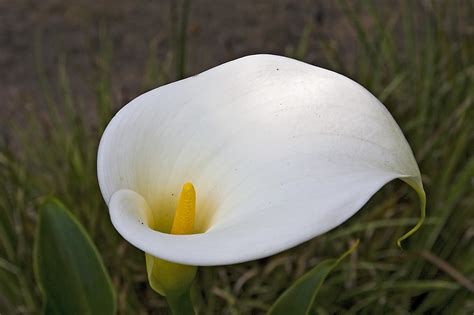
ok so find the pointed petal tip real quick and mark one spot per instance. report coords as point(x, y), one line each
point(415, 183)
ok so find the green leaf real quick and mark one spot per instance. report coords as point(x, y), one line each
point(299, 298)
point(68, 267)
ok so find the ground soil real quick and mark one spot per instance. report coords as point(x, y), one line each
point(218, 31)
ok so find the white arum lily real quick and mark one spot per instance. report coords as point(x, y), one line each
point(278, 151)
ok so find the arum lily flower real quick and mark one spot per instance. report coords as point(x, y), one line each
point(271, 152)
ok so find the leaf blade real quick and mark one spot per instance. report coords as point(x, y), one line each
point(68, 267)
point(299, 297)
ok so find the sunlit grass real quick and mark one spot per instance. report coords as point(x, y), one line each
point(418, 61)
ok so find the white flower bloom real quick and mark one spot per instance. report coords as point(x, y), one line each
point(278, 151)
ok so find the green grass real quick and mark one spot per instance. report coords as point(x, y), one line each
point(418, 61)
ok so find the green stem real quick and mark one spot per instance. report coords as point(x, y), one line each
point(181, 49)
point(181, 305)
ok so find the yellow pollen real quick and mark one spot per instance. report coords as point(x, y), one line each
point(183, 222)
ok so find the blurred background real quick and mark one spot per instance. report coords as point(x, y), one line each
point(68, 66)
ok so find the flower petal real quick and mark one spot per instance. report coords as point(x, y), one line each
point(279, 152)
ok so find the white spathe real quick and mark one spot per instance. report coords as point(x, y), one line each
point(279, 151)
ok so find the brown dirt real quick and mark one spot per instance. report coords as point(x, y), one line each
point(218, 31)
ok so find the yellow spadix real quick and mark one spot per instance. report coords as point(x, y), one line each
point(168, 278)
